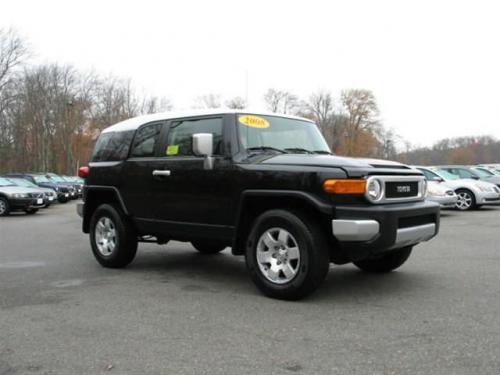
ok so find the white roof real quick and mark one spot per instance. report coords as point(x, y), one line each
point(134, 122)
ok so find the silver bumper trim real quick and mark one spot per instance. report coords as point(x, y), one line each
point(412, 235)
point(355, 230)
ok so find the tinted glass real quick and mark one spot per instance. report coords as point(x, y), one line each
point(22, 182)
point(145, 141)
point(428, 174)
point(180, 136)
point(112, 146)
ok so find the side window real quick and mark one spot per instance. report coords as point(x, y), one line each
point(428, 175)
point(464, 173)
point(179, 140)
point(145, 141)
point(112, 146)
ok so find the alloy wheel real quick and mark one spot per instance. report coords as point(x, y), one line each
point(464, 201)
point(105, 236)
point(278, 255)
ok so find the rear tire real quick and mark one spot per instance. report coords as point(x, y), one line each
point(112, 237)
point(4, 207)
point(387, 262)
point(287, 254)
point(208, 247)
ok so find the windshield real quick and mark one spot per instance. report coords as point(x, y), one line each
point(57, 179)
point(6, 182)
point(41, 179)
point(272, 133)
point(447, 175)
point(483, 172)
point(22, 182)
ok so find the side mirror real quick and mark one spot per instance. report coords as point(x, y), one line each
point(437, 179)
point(203, 146)
point(475, 177)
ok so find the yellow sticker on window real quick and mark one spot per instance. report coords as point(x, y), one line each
point(254, 121)
point(172, 149)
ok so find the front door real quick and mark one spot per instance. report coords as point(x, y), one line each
point(191, 200)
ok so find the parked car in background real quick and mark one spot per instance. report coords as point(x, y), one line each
point(14, 198)
point(469, 172)
point(472, 194)
point(77, 183)
point(63, 192)
point(489, 170)
point(73, 193)
point(49, 195)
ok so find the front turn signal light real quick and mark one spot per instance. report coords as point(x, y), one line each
point(344, 186)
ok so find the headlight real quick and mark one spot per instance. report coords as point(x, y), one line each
point(19, 195)
point(374, 190)
point(486, 188)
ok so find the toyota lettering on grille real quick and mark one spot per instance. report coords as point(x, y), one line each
point(403, 189)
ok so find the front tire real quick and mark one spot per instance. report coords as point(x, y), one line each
point(466, 200)
point(387, 262)
point(62, 199)
point(4, 207)
point(208, 247)
point(287, 254)
point(112, 237)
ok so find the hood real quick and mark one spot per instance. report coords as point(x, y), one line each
point(493, 179)
point(17, 190)
point(331, 161)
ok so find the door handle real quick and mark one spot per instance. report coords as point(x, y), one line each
point(157, 172)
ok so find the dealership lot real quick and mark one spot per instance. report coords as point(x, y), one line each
point(176, 311)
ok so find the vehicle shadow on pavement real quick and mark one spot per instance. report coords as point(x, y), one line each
point(217, 272)
point(348, 284)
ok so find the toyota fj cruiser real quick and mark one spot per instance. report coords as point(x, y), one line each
point(265, 185)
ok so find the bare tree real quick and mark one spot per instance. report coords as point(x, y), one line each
point(208, 101)
point(236, 103)
point(13, 51)
point(281, 101)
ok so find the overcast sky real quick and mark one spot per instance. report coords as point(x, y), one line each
point(434, 66)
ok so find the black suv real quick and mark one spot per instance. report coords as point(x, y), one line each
point(265, 185)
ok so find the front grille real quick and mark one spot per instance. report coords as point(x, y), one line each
point(401, 189)
point(396, 189)
point(413, 221)
point(35, 195)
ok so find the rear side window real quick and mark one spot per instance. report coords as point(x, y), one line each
point(180, 136)
point(145, 141)
point(112, 146)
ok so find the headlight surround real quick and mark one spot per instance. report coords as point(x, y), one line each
point(19, 195)
point(374, 189)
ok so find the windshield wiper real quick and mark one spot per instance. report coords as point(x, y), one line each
point(298, 149)
point(323, 152)
point(266, 148)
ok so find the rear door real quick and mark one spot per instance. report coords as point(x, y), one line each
point(137, 183)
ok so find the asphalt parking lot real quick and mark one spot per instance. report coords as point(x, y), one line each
point(174, 311)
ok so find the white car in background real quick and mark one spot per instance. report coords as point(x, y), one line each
point(472, 194)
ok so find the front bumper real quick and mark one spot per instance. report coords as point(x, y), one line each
point(366, 230)
point(79, 209)
point(26, 203)
point(488, 198)
point(444, 200)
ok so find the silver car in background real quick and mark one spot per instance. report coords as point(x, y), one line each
point(472, 194)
